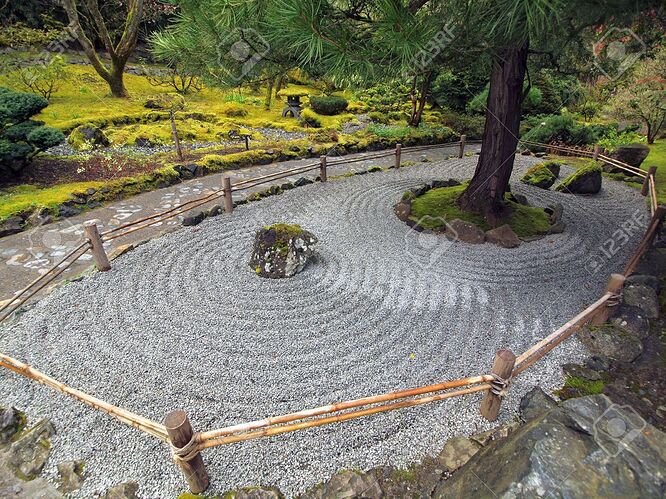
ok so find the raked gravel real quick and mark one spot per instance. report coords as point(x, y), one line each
point(183, 322)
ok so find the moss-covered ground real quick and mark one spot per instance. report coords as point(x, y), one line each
point(438, 206)
point(657, 157)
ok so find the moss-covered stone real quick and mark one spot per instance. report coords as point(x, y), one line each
point(539, 176)
point(585, 180)
point(87, 137)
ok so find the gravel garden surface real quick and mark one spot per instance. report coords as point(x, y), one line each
point(183, 322)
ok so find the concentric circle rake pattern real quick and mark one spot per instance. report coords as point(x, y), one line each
point(183, 322)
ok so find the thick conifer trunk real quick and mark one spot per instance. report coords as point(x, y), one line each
point(485, 194)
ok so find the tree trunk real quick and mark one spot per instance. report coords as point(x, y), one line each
point(115, 81)
point(485, 193)
point(269, 93)
point(418, 103)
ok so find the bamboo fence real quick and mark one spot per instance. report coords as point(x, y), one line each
point(186, 445)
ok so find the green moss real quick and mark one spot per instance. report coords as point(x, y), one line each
point(575, 386)
point(589, 167)
point(189, 495)
point(283, 234)
point(539, 175)
point(404, 475)
point(438, 206)
point(374, 169)
point(217, 162)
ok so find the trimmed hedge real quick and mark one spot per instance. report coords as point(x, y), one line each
point(328, 105)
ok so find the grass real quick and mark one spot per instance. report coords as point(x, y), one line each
point(85, 97)
point(575, 386)
point(26, 198)
point(657, 157)
point(438, 206)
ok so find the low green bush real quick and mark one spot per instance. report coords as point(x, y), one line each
point(563, 128)
point(309, 119)
point(328, 105)
point(233, 110)
point(20, 137)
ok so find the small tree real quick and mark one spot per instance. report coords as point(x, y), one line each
point(177, 77)
point(20, 137)
point(118, 52)
point(44, 77)
point(644, 99)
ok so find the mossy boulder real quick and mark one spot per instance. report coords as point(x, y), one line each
point(585, 180)
point(539, 176)
point(87, 137)
point(281, 250)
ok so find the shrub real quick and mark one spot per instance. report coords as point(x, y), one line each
point(233, 110)
point(357, 107)
point(20, 35)
point(325, 135)
point(21, 138)
point(613, 139)
point(378, 117)
point(564, 129)
point(309, 119)
point(469, 125)
point(44, 77)
point(328, 105)
point(169, 102)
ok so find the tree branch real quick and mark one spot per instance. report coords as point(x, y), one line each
point(88, 47)
point(93, 7)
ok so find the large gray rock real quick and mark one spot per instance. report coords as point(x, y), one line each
point(86, 137)
point(632, 154)
point(587, 180)
point(643, 297)
point(29, 453)
point(71, 476)
point(255, 493)
point(535, 403)
point(11, 422)
point(588, 447)
point(611, 341)
point(503, 236)
point(467, 232)
point(456, 452)
point(281, 250)
point(347, 485)
point(125, 490)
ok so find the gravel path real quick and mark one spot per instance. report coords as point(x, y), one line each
point(182, 321)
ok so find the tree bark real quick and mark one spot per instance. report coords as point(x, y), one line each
point(418, 103)
point(269, 93)
point(119, 53)
point(485, 193)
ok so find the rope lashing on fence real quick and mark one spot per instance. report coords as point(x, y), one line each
point(188, 452)
point(499, 385)
point(614, 300)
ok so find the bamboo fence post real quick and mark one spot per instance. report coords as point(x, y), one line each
point(247, 142)
point(181, 436)
point(646, 181)
point(97, 247)
point(398, 154)
point(228, 197)
point(462, 146)
point(322, 168)
point(502, 369)
point(615, 285)
point(174, 132)
point(597, 150)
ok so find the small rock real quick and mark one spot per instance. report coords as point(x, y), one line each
point(557, 228)
point(71, 476)
point(643, 297)
point(125, 490)
point(598, 363)
point(456, 452)
point(194, 217)
point(424, 159)
point(28, 454)
point(612, 342)
point(347, 485)
point(13, 225)
point(534, 403)
point(68, 211)
point(503, 236)
point(539, 154)
point(554, 212)
point(214, 210)
point(436, 184)
point(632, 319)
point(302, 181)
point(644, 280)
point(255, 493)
point(486, 437)
point(11, 422)
point(578, 371)
point(465, 231)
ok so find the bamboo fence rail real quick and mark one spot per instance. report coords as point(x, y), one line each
point(186, 444)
